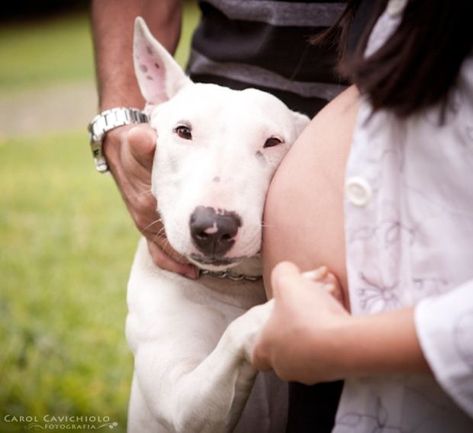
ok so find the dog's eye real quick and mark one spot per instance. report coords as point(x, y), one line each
point(272, 141)
point(183, 132)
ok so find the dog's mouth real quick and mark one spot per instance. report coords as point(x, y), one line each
point(213, 261)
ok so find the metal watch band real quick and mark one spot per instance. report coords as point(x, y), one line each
point(105, 122)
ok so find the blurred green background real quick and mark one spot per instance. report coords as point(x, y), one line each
point(66, 241)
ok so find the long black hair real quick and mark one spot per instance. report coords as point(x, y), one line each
point(419, 64)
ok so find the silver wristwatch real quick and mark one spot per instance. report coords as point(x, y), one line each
point(106, 121)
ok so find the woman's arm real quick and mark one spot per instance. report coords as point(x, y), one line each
point(311, 338)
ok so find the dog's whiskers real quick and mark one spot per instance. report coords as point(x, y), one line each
point(148, 192)
point(161, 234)
point(156, 221)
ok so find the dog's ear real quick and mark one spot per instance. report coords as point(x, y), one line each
point(300, 121)
point(158, 74)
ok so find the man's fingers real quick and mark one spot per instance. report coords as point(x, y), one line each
point(167, 263)
point(135, 147)
point(142, 144)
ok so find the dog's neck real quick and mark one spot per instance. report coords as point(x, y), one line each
point(249, 269)
point(241, 286)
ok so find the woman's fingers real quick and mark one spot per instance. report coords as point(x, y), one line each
point(316, 274)
point(285, 276)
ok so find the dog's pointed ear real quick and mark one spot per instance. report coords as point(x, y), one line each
point(300, 121)
point(158, 74)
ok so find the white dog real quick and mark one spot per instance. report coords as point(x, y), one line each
point(217, 150)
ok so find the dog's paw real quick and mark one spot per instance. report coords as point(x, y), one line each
point(243, 331)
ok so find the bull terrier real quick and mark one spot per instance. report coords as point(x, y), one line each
point(217, 150)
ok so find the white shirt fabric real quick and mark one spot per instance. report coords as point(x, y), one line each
point(409, 241)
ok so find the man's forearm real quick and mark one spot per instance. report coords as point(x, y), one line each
point(112, 26)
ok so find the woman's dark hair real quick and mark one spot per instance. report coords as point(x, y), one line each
point(418, 64)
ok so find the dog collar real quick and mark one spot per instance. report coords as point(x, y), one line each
point(233, 276)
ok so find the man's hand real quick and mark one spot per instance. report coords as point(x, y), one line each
point(129, 151)
point(299, 340)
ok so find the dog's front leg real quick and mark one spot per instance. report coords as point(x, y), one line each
point(206, 396)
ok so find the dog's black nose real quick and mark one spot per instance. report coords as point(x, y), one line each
point(213, 231)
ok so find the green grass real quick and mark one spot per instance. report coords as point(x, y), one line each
point(60, 50)
point(67, 245)
point(45, 52)
point(189, 21)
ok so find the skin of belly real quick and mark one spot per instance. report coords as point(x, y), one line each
point(304, 216)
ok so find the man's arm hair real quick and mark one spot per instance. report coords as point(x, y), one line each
point(112, 28)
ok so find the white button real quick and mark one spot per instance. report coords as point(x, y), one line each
point(396, 7)
point(358, 191)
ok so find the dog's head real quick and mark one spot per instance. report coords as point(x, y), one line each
point(217, 150)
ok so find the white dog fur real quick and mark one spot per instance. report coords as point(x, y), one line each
point(217, 150)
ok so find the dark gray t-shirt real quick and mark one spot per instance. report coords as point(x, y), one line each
point(265, 44)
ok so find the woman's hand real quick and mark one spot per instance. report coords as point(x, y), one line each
point(311, 338)
point(130, 151)
point(299, 341)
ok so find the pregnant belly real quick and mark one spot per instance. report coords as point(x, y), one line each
point(304, 220)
